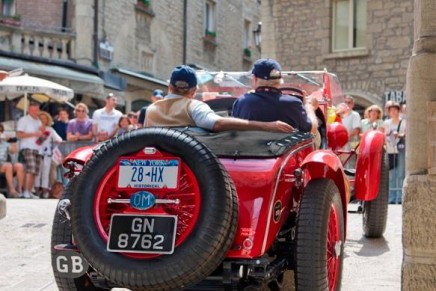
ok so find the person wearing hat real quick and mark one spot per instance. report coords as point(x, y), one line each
point(105, 120)
point(179, 109)
point(47, 141)
point(373, 120)
point(28, 132)
point(267, 103)
point(157, 95)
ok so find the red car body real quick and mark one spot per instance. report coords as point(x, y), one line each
point(269, 189)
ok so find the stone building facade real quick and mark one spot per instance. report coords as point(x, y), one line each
point(126, 46)
point(151, 38)
point(300, 34)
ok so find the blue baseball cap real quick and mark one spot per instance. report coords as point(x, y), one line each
point(158, 93)
point(183, 77)
point(267, 69)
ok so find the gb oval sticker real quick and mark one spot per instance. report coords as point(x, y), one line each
point(142, 200)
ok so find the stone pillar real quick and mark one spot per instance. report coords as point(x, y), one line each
point(419, 203)
point(269, 38)
point(83, 23)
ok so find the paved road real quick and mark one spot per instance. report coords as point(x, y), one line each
point(25, 254)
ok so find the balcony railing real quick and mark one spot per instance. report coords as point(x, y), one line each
point(37, 42)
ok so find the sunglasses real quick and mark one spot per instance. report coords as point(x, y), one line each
point(80, 110)
point(132, 116)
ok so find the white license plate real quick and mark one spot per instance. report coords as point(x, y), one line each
point(149, 173)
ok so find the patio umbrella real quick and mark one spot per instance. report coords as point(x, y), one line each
point(16, 86)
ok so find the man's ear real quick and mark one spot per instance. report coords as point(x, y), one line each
point(191, 92)
point(253, 81)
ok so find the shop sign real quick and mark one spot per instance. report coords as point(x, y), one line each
point(396, 96)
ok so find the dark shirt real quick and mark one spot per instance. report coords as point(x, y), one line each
point(269, 104)
point(141, 117)
point(61, 128)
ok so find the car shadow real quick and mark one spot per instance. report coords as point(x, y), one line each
point(367, 247)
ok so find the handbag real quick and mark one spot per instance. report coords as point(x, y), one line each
point(57, 189)
point(393, 161)
point(401, 144)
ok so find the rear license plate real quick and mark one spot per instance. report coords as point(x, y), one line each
point(148, 234)
point(148, 173)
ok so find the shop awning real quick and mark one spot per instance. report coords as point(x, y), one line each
point(140, 80)
point(80, 82)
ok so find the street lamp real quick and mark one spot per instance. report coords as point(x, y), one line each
point(258, 36)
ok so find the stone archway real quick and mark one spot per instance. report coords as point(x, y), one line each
point(364, 98)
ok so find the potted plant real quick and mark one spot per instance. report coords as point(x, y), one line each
point(14, 20)
point(144, 3)
point(247, 52)
point(145, 6)
point(210, 35)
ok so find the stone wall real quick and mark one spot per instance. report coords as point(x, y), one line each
point(153, 42)
point(419, 203)
point(298, 33)
point(42, 13)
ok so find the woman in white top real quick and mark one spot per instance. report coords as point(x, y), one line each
point(395, 129)
point(373, 120)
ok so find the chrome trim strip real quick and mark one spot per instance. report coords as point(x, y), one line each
point(156, 201)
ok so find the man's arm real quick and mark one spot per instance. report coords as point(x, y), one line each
point(356, 124)
point(312, 116)
point(230, 123)
point(205, 117)
point(22, 134)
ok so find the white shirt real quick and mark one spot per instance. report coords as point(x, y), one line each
point(28, 124)
point(106, 121)
point(391, 140)
point(351, 121)
point(48, 144)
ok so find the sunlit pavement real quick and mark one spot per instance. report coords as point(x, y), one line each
point(25, 250)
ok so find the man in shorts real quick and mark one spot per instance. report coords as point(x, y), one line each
point(28, 132)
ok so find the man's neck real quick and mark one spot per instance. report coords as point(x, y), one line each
point(108, 109)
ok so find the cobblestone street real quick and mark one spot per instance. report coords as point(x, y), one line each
point(25, 254)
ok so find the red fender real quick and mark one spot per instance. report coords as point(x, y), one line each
point(326, 164)
point(368, 167)
point(80, 155)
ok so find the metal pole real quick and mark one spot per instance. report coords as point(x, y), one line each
point(185, 30)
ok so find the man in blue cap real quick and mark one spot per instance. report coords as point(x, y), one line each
point(179, 109)
point(267, 103)
point(157, 95)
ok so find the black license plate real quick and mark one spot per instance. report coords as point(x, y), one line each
point(148, 234)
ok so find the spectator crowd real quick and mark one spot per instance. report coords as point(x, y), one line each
point(393, 124)
point(29, 159)
point(30, 162)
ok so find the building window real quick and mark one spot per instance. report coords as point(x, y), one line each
point(209, 19)
point(349, 24)
point(8, 7)
point(247, 31)
point(246, 41)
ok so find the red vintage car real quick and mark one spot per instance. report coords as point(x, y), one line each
point(184, 209)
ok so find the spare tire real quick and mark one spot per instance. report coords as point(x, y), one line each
point(201, 245)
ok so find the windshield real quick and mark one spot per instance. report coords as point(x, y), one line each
point(213, 85)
